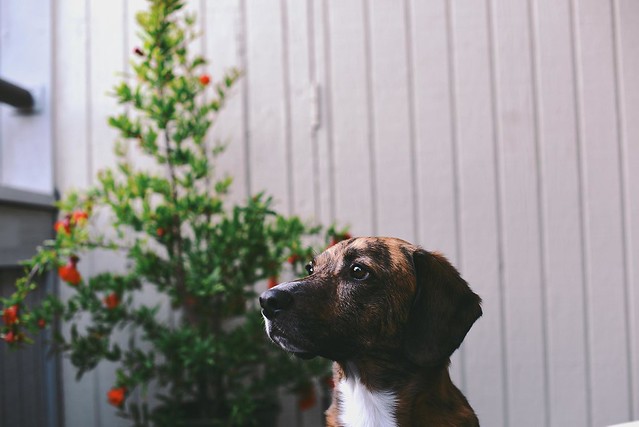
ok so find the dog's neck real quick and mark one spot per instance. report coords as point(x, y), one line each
point(372, 392)
point(362, 406)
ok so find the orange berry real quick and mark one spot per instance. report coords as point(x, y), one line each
point(306, 398)
point(79, 216)
point(272, 282)
point(10, 337)
point(10, 315)
point(111, 301)
point(69, 273)
point(116, 396)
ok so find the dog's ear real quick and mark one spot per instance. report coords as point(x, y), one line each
point(443, 311)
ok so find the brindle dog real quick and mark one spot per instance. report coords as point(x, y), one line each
point(389, 314)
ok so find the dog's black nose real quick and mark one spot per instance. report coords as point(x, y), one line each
point(274, 301)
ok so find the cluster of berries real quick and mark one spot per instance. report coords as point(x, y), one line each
point(69, 272)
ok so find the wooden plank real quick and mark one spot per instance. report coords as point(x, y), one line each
point(349, 103)
point(627, 16)
point(299, 60)
point(107, 59)
point(223, 50)
point(435, 133)
point(106, 64)
point(435, 139)
point(71, 96)
point(602, 209)
point(267, 116)
point(324, 183)
point(522, 264)
point(26, 144)
point(392, 137)
point(568, 387)
point(72, 163)
point(480, 249)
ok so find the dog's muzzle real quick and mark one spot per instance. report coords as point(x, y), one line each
point(275, 301)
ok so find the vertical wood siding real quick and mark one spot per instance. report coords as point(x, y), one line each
point(504, 133)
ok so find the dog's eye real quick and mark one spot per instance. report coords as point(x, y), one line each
point(358, 272)
point(309, 268)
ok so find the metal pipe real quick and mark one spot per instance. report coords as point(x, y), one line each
point(16, 96)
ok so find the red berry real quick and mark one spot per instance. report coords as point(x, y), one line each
point(116, 396)
point(69, 273)
point(339, 237)
point(306, 398)
point(79, 216)
point(63, 225)
point(205, 79)
point(111, 301)
point(293, 259)
point(42, 323)
point(160, 232)
point(272, 282)
point(10, 337)
point(10, 315)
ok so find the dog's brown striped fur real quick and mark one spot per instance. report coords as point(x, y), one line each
point(393, 331)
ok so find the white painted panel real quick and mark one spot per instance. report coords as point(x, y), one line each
point(222, 28)
point(72, 151)
point(602, 210)
point(325, 182)
point(106, 63)
point(73, 167)
point(435, 142)
point(479, 222)
point(517, 156)
point(626, 19)
point(26, 148)
point(568, 387)
point(267, 121)
point(435, 131)
point(350, 105)
point(392, 139)
point(302, 105)
point(108, 54)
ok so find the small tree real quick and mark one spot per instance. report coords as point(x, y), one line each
point(213, 363)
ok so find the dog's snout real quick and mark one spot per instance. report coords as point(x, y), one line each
point(274, 301)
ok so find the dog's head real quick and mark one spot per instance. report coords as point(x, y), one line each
point(373, 294)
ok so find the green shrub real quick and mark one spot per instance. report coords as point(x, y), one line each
point(210, 361)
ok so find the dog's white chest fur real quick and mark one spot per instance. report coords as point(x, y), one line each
point(361, 407)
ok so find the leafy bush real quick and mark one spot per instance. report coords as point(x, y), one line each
point(209, 361)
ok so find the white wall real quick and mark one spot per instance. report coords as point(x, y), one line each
point(26, 147)
point(504, 133)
